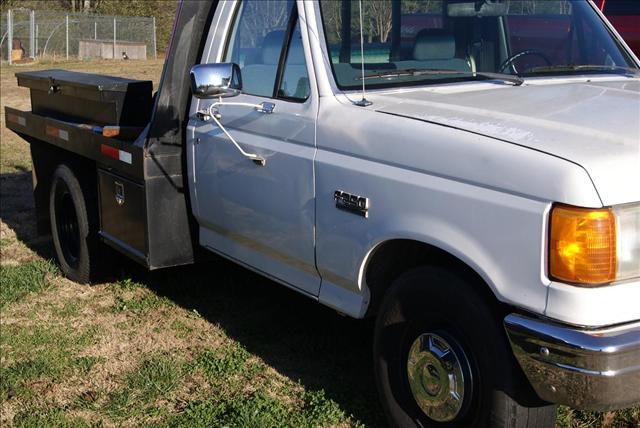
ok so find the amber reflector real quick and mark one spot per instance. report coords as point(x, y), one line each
point(582, 245)
point(51, 131)
point(111, 131)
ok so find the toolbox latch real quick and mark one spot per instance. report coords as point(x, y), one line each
point(119, 193)
point(54, 88)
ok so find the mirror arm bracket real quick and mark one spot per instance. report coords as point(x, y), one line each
point(214, 114)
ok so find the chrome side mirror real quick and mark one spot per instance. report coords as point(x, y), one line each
point(216, 80)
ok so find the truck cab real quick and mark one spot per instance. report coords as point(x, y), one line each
point(463, 171)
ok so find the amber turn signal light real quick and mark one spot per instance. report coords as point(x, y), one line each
point(582, 246)
point(111, 131)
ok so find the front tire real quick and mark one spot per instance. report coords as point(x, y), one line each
point(73, 226)
point(441, 357)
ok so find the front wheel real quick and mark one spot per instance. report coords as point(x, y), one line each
point(73, 226)
point(441, 357)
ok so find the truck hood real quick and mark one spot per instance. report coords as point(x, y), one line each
point(594, 123)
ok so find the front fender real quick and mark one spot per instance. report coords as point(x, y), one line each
point(499, 235)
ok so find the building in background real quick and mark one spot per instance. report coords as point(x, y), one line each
point(625, 17)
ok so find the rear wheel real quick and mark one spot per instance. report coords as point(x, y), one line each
point(73, 226)
point(441, 357)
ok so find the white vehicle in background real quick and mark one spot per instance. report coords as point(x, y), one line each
point(467, 172)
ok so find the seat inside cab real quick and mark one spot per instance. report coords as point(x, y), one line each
point(295, 82)
point(436, 49)
point(264, 63)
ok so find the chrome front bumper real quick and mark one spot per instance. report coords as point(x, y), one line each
point(584, 369)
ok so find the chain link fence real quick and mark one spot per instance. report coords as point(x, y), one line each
point(28, 34)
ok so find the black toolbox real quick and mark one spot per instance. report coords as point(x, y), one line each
point(123, 213)
point(89, 98)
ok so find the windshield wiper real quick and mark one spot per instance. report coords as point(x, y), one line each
point(584, 67)
point(517, 81)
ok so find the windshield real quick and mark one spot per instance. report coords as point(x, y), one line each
point(462, 39)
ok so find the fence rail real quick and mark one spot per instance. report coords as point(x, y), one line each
point(33, 34)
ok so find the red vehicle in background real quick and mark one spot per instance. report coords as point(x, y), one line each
point(625, 17)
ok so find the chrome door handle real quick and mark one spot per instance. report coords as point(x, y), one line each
point(203, 115)
point(265, 107)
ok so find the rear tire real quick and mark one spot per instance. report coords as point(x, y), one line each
point(74, 226)
point(435, 334)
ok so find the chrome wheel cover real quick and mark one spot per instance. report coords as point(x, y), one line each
point(439, 373)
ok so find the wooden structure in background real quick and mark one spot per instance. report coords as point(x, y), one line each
point(90, 48)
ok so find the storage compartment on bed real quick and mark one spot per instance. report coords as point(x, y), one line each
point(89, 98)
point(122, 213)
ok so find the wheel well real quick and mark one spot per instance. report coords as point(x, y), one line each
point(45, 159)
point(395, 257)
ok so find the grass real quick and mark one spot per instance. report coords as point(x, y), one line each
point(628, 418)
point(258, 409)
point(38, 418)
point(203, 346)
point(139, 303)
point(42, 353)
point(223, 363)
point(18, 281)
point(152, 378)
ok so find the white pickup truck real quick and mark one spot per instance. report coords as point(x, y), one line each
point(467, 172)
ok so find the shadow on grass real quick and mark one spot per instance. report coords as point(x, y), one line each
point(297, 336)
point(17, 211)
point(294, 334)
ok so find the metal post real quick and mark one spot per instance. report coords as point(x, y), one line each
point(32, 34)
point(155, 46)
point(10, 35)
point(345, 32)
point(396, 16)
point(36, 41)
point(114, 37)
point(95, 30)
point(67, 36)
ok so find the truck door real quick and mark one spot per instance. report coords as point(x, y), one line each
point(261, 216)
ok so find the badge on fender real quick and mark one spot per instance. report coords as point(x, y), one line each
point(352, 203)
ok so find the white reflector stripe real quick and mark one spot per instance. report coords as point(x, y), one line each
point(58, 133)
point(114, 153)
point(125, 156)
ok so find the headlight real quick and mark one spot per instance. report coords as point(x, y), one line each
point(592, 247)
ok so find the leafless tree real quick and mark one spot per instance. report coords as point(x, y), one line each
point(379, 12)
point(264, 16)
point(81, 5)
point(421, 6)
point(332, 14)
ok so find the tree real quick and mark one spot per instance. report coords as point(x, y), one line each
point(85, 6)
point(379, 12)
point(264, 16)
point(163, 10)
point(332, 17)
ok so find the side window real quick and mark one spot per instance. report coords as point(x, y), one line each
point(256, 43)
point(295, 80)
